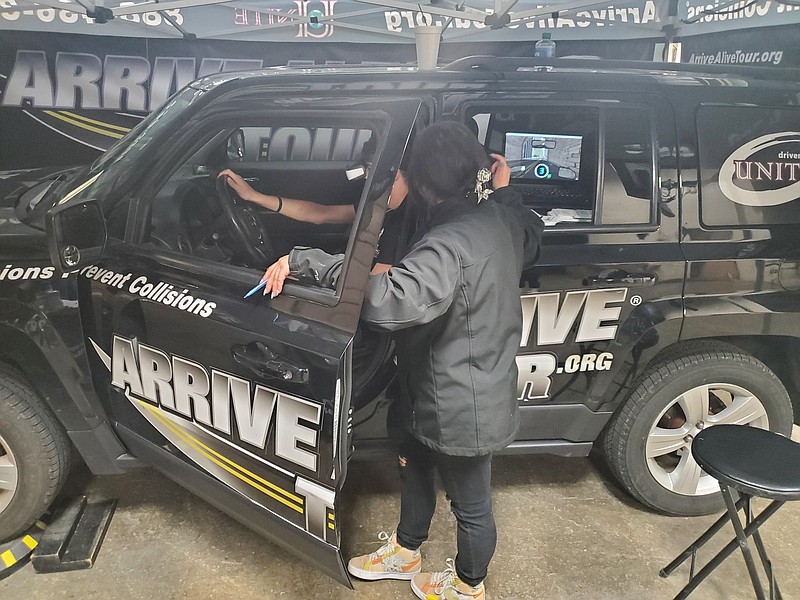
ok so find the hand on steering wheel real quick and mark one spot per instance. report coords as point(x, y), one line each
point(244, 226)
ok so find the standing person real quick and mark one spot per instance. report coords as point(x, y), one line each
point(453, 303)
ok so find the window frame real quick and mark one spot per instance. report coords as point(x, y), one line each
point(468, 108)
point(706, 201)
point(192, 137)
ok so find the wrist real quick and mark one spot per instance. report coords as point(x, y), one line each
point(252, 196)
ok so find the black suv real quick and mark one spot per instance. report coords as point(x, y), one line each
point(666, 298)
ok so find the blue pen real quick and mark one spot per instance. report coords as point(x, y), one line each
point(260, 285)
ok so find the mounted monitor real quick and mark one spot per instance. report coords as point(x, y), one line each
point(546, 157)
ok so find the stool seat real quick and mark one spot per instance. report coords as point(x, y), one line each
point(755, 461)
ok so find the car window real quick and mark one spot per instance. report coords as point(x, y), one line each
point(578, 166)
point(749, 177)
point(627, 180)
point(194, 213)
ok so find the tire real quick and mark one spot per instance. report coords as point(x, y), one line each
point(34, 455)
point(648, 441)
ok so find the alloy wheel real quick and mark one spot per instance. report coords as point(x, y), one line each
point(9, 475)
point(669, 441)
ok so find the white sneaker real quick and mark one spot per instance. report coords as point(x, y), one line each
point(445, 585)
point(390, 561)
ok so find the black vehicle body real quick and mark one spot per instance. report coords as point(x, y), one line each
point(257, 404)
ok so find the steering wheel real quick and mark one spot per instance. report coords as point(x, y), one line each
point(244, 226)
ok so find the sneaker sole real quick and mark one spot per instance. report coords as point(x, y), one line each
point(376, 576)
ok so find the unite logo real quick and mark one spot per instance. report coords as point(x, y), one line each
point(764, 171)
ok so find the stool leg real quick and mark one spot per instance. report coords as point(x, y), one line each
point(729, 549)
point(692, 549)
point(774, 590)
point(742, 539)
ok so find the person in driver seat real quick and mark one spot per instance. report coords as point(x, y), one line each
point(394, 228)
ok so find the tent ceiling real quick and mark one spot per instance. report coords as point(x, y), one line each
point(367, 16)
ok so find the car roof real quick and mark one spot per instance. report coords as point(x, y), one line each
point(628, 73)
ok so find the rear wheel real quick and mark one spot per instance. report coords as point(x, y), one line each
point(34, 455)
point(648, 441)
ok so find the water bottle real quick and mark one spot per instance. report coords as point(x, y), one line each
point(545, 47)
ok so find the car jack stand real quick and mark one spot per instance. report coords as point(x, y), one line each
point(73, 538)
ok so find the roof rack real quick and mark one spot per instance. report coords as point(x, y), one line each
point(503, 63)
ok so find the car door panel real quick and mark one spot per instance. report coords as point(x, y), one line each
point(244, 401)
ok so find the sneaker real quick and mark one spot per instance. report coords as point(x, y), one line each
point(445, 586)
point(390, 561)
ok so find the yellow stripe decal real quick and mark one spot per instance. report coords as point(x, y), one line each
point(8, 558)
point(100, 123)
point(210, 454)
point(269, 484)
point(83, 125)
point(331, 517)
point(330, 526)
point(30, 542)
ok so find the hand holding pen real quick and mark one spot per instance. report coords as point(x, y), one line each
point(257, 288)
point(272, 281)
point(275, 275)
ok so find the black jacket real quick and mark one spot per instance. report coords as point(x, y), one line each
point(453, 302)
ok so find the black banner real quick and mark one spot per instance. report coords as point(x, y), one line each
point(64, 98)
point(762, 47)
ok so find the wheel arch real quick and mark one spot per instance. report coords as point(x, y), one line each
point(59, 374)
point(641, 341)
point(781, 354)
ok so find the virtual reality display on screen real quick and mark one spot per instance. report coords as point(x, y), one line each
point(544, 157)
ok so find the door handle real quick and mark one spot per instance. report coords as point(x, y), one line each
point(631, 279)
point(264, 362)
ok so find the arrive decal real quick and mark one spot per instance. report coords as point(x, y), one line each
point(593, 314)
point(764, 171)
point(89, 81)
point(255, 439)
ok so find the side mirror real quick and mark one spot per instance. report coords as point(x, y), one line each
point(76, 234)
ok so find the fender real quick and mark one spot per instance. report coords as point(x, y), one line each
point(30, 341)
point(646, 332)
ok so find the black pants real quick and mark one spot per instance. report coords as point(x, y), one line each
point(467, 482)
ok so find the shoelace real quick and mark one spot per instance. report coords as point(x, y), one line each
point(387, 547)
point(444, 579)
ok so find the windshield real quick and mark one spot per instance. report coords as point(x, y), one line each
point(109, 170)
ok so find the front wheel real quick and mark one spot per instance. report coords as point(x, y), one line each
point(648, 441)
point(34, 455)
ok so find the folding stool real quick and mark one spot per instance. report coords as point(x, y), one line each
point(747, 462)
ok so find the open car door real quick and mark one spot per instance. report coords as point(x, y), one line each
point(246, 402)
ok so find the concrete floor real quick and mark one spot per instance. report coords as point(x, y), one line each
point(566, 531)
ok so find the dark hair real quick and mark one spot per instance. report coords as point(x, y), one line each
point(445, 163)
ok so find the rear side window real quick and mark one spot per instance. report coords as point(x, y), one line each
point(627, 181)
point(749, 166)
point(579, 166)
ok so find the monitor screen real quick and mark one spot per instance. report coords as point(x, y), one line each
point(545, 157)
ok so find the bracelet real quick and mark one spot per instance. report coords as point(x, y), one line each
point(280, 204)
